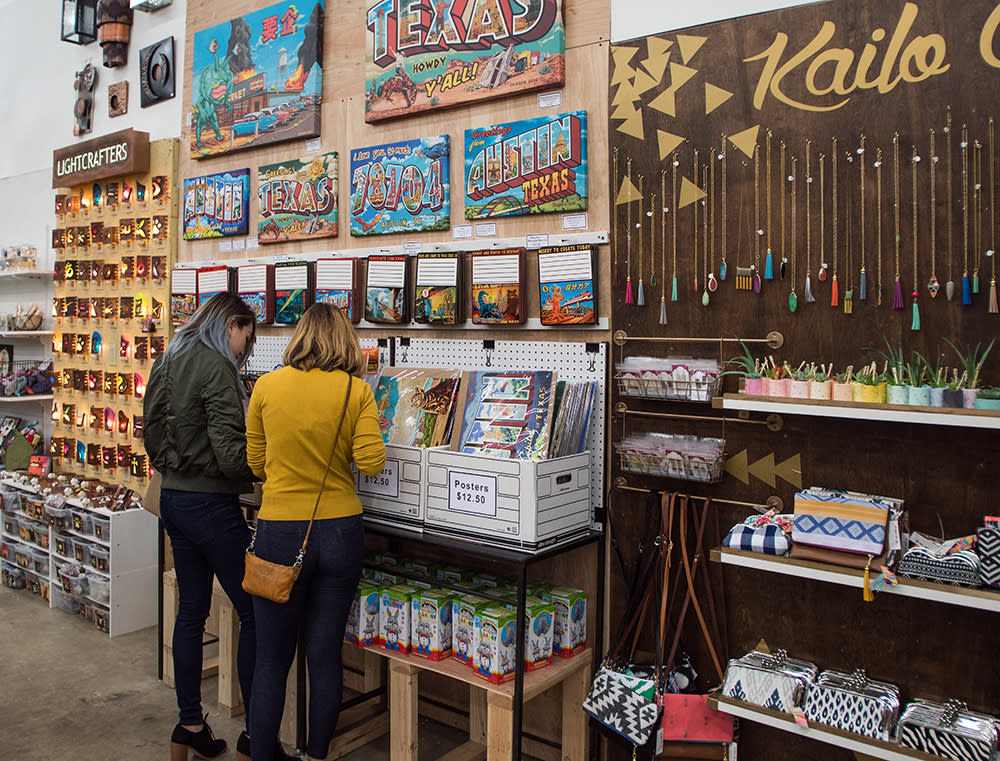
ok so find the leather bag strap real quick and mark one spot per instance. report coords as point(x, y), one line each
point(689, 575)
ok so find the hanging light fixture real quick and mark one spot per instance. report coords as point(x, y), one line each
point(150, 5)
point(79, 21)
point(114, 27)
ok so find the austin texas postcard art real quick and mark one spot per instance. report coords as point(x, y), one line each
point(258, 79)
point(428, 54)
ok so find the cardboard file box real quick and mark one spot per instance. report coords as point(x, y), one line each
point(508, 503)
point(396, 495)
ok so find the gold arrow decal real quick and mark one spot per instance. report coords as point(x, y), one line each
point(746, 140)
point(623, 70)
point(715, 97)
point(689, 193)
point(764, 469)
point(633, 126)
point(627, 192)
point(737, 466)
point(790, 470)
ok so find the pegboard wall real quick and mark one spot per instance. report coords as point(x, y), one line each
point(571, 361)
point(267, 352)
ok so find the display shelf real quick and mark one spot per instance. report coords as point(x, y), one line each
point(965, 597)
point(866, 746)
point(88, 537)
point(26, 333)
point(889, 413)
point(26, 398)
point(27, 275)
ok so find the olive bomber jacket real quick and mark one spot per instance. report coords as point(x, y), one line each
point(195, 428)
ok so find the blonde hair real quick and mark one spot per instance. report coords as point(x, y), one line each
point(325, 339)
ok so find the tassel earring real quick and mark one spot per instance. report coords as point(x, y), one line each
point(834, 292)
point(849, 301)
point(810, 299)
point(915, 324)
point(663, 310)
point(628, 290)
point(897, 296)
point(673, 289)
point(993, 295)
point(949, 290)
point(769, 266)
point(975, 282)
point(966, 290)
point(641, 298)
point(866, 593)
point(863, 285)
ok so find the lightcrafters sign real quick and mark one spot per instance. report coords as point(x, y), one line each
point(125, 152)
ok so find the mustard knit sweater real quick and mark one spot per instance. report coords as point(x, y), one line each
point(290, 424)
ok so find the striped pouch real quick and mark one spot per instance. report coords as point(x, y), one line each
point(843, 521)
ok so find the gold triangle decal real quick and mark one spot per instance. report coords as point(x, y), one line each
point(715, 97)
point(679, 75)
point(689, 193)
point(644, 82)
point(668, 143)
point(746, 140)
point(627, 192)
point(624, 95)
point(665, 103)
point(633, 126)
point(656, 66)
point(624, 111)
point(657, 46)
point(622, 55)
point(689, 45)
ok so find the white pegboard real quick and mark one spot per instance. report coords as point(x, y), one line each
point(570, 361)
point(267, 352)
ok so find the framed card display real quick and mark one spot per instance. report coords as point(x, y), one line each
point(386, 292)
point(293, 286)
point(498, 286)
point(337, 283)
point(567, 292)
point(183, 294)
point(438, 296)
point(211, 281)
point(255, 285)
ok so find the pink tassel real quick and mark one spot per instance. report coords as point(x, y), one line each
point(897, 297)
point(628, 290)
point(993, 296)
point(834, 293)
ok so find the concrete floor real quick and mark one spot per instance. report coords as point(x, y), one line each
point(68, 691)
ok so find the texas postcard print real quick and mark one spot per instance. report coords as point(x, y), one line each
point(401, 187)
point(298, 199)
point(215, 205)
point(257, 79)
point(529, 167)
point(432, 54)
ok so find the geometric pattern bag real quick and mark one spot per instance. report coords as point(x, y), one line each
point(988, 549)
point(840, 521)
point(948, 730)
point(959, 569)
point(853, 703)
point(620, 709)
point(773, 681)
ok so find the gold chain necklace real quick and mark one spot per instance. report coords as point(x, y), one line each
point(640, 299)
point(966, 285)
point(949, 287)
point(993, 309)
point(723, 270)
point(673, 225)
point(897, 298)
point(663, 247)
point(807, 291)
point(705, 216)
point(712, 283)
point(915, 325)
point(769, 261)
point(863, 277)
point(628, 236)
point(834, 293)
point(784, 178)
point(878, 223)
point(933, 285)
point(793, 300)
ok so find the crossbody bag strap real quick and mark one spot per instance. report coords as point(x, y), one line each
point(666, 538)
point(688, 573)
point(329, 461)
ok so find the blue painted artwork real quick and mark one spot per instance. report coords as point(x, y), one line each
point(215, 205)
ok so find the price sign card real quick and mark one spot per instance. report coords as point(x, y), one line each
point(472, 493)
point(383, 484)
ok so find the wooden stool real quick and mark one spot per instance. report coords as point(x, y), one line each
point(210, 666)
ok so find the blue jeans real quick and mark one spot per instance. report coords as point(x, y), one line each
point(209, 536)
point(320, 603)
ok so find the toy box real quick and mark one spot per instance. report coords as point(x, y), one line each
point(363, 625)
point(394, 615)
point(538, 627)
point(496, 629)
point(508, 503)
point(570, 630)
point(431, 616)
point(417, 583)
point(449, 574)
point(463, 636)
point(384, 579)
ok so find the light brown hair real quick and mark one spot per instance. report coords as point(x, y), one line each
point(325, 339)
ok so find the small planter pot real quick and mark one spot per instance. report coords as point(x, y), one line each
point(969, 398)
point(937, 397)
point(987, 404)
point(857, 389)
point(820, 389)
point(896, 394)
point(753, 386)
point(918, 396)
point(952, 398)
point(874, 394)
point(798, 389)
point(842, 392)
point(780, 387)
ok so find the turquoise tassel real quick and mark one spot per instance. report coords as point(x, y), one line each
point(975, 282)
point(915, 325)
point(966, 290)
point(673, 290)
point(769, 266)
point(863, 286)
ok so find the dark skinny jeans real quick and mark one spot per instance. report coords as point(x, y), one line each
point(320, 603)
point(209, 536)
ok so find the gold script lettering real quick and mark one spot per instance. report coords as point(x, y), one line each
point(986, 39)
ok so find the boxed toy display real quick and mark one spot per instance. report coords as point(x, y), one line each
point(463, 638)
point(431, 617)
point(363, 623)
point(538, 625)
point(570, 630)
point(394, 616)
point(496, 629)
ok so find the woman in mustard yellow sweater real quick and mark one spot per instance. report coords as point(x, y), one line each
point(291, 422)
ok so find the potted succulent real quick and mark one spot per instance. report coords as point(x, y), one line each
point(937, 379)
point(842, 390)
point(953, 396)
point(749, 369)
point(798, 381)
point(988, 398)
point(894, 371)
point(820, 384)
point(870, 385)
point(971, 363)
point(918, 393)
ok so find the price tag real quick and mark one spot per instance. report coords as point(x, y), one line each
point(253, 242)
point(472, 493)
point(550, 99)
point(461, 232)
point(536, 240)
point(383, 484)
point(314, 146)
point(225, 246)
point(412, 247)
point(239, 244)
point(574, 221)
point(486, 229)
point(208, 262)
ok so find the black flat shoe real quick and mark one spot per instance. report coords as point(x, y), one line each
point(203, 743)
point(243, 750)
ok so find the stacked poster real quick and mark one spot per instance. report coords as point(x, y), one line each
point(298, 199)
point(414, 405)
point(401, 187)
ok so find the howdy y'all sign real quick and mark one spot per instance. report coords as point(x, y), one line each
point(527, 167)
point(426, 54)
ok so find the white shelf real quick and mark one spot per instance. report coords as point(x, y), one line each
point(965, 597)
point(865, 746)
point(27, 275)
point(26, 333)
point(891, 413)
point(26, 398)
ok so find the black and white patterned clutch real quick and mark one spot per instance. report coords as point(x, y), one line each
point(960, 569)
point(854, 703)
point(617, 707)
point(949, 730)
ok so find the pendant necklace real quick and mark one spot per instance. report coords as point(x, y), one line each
point(614, 221)
point(915, 325)
point(848, 261)
point(878, 224)
point(758, 232)
point(768, 261)
point(949, 287)
point(640, 299)
point(993, 229)
point(694, 227)
point(933, 285)
point(722, 239)
point(966, 285)
point(663, 247)
point(863, 277)
point(807, 292)
point(652, 241)
point(821, 274)
point(834, 292)
point(712, 283)
point(784, 259)
point(793, 300)
point(977, 220)
point(704, 225)
point(897, 296)
point(628, 236)
point(673, 226)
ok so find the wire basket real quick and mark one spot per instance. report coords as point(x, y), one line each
point(660, 385)
point(672, 465)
